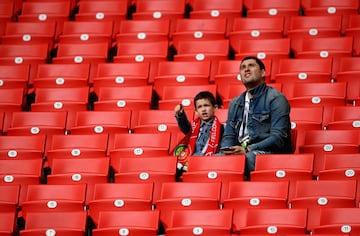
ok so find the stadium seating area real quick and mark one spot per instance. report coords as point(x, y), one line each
point(87, 91)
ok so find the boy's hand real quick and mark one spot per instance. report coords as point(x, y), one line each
point(179, 109)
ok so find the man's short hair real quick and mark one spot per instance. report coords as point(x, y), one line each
point(258, 61)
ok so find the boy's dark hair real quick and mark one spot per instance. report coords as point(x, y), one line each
point(258, 61)
point(205, 95)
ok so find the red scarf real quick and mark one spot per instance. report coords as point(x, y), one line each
point(213, 143)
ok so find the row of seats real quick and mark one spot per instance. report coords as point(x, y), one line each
point(310, 197)
point(192, 222)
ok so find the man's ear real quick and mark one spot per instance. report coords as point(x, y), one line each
point(263, 73)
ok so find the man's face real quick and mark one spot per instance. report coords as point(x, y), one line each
point(251, 74)
point(204, 109)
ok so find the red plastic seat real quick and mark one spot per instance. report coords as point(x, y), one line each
point(9, 200)
point(37, 123)
point(76, 147)
point(214, 169)
point(89, 171)
point(306, 118)
point(326, 95)
point(327, 7)
point(317, 195)
point(87, 32)
point(143, 30)
point(283, 167)
point(68, 100)
point(136, 223)
point(7, 11)
point(180, 73)
point(122, 74)
point(263, 49)
point(279, 221)
point(29, 33)
point(155, 121)
point(102, 122)
point(21, 172)
point(202, 9)
point(109, 10)
point(159, 9)
point(309, 70)
point(156, 169)
point(324, 47)
point(62, 75)
point(345, 117)
point(195, 50)
point(340, 167)
point(139, 144)
point(89, 53)
point(338, 221)
point(109, 197)
point(187, 196)
point(205, 221)
point(199, 29)
point(273, 8)
point(7, 222)
point(173, 95)
point(14, 76)
point(352, 25)
point(313, 27)
point(320, 142)
point(61, 223)
point(125, 97)
point(22, 147)
point(19, 54)
point(255, 195)
point(257, 28)
point(347, 70)
point(142, 51)
point(55, 11)
point(53, 198)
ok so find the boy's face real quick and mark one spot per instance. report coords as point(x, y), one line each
point(204, 109)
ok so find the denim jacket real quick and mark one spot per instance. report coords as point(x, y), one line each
point(268, 121)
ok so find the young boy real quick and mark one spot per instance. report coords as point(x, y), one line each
point(203, 134)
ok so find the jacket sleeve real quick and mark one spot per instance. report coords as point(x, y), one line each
point(183, 123)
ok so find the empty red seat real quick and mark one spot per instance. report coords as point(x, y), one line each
point(128, 222)
point(196, 222)
point(69, 223)
point(122, 74)
point(61, 75)
point(143, 30)
point(102, 122)
point(257, 28)
point(340, 167)
point(345, 117)
point(321, 142)
point(195, 50)
point(142, 51)
point(22, 147)
point(173, 95)
point(37, 123)
point(199, 29)
point(109, 197)
point(303, 70)
point(87, 32)
point(180, 73)
point(187, 196)
point(156, 169)
point(324, 47)
point(109, 10)
point(263, 49)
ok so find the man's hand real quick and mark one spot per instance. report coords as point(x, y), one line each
point(233, 150)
